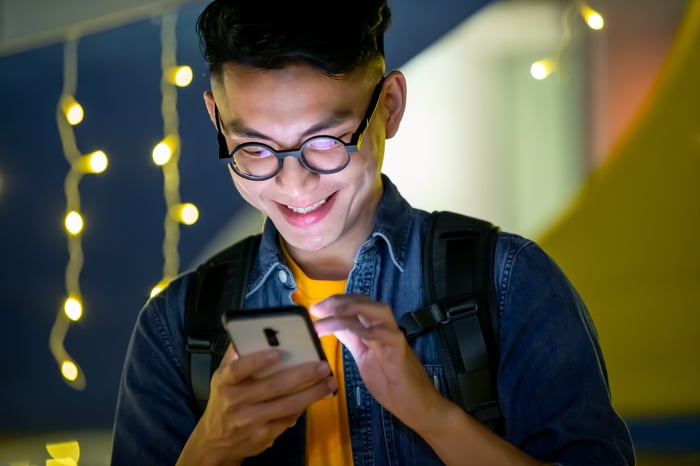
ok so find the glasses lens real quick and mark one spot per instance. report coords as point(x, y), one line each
point(256, 160)
point(325, 154)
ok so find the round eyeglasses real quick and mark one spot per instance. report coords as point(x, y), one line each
point(319, 154)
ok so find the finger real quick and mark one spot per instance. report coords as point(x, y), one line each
point(243, 367)
point(353, 343)
point(380, 334)
point(328, 306)
point(290, 380)
point(366, 310)
point(329, 325)
point(229, 355)
point(284, 407)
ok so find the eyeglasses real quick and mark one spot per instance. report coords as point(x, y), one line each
point(320, 154)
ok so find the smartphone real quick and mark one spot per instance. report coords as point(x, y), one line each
point(288, 329)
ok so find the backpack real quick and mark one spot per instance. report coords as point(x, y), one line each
point(458, 260)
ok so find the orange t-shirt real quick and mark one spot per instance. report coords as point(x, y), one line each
point(327, 428)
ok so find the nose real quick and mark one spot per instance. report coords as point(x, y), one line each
point(294, 176)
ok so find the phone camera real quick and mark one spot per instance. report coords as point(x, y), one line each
point(271, 335)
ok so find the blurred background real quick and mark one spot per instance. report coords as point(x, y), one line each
point(573, 123)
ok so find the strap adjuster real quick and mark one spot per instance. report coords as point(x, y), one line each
point(458, 308)
point(198, 345)
point(443, 312)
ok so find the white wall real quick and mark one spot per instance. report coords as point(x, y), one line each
point(480, 135)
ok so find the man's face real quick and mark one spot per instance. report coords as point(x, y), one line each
point(284, 108)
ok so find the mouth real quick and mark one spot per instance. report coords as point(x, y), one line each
point(308, 209)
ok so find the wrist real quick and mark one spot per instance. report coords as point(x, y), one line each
point(442, 414)
point(201, 451)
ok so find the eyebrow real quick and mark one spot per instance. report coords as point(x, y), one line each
point(238, 128)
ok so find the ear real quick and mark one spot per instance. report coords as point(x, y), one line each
point(210, 104)
point(394, 101)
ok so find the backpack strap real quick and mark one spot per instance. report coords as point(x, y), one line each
point(458, 263)
point(217, 285)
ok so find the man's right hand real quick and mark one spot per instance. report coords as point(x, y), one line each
point(245, 415)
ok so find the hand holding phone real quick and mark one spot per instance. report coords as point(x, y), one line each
point(288, 329)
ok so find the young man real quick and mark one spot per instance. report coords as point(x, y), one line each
point(303, 106)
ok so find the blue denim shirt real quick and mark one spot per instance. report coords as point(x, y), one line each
point(552, 381)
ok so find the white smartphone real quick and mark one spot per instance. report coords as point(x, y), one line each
point(288, 329)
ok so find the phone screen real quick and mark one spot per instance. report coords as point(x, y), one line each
point(288, 329)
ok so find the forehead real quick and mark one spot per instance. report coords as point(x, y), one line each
point(241, 90)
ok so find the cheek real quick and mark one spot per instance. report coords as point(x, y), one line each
point(246, 188)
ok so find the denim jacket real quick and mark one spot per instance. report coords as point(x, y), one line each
point(552, 381)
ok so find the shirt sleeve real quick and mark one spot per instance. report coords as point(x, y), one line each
point(552, 380)
point(154, 414)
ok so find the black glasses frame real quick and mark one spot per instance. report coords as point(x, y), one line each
point(352, 146)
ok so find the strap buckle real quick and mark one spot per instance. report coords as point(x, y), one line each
point(198, 345)
point(458, 308)
point(416, 323)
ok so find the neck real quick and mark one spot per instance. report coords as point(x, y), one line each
point(326, 265)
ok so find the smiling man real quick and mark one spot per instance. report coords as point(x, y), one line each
point(302, 106)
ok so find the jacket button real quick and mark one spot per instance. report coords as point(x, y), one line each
point(282, 275)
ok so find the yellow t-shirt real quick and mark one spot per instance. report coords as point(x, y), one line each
point(327, 428)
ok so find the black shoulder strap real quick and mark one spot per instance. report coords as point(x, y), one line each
point(217, 285)
point(458, 261)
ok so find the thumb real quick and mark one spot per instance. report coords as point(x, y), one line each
point(320, 311)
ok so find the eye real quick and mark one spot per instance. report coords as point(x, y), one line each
point(323, 143)
point(257, 151)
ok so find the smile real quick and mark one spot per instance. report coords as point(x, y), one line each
point(306, 210)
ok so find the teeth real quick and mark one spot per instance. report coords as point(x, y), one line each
point(306, 210)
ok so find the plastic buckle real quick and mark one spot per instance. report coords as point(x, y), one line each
point(458, 308)
point(198, 345)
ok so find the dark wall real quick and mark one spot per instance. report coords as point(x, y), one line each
point(119, 87)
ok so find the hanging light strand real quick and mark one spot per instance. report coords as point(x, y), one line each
point(70, 113)
point(166, 153)
point(543, 68)
point(73, 220)
point(70, 370)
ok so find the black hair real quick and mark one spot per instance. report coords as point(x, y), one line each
point(332, 36)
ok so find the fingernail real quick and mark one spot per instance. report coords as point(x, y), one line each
point(272, 355)
point(323, 368)
point(333, 384)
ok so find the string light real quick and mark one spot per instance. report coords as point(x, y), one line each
point(73, 308)
point(186, 213)
point(72, 110)
point(543, 68)
point(594, 19)
point(180, 76)
point(70, 113)
point(166, 153)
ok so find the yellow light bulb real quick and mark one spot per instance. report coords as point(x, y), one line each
point(161, 154)
point(94, 162)
point(98, 161)
point(593, 18)
point(188, 213)
point(75, 114)
point(72, 110)
point(163, 151)
point(541, 69)
point(73, 308)
point(74, 222)
point(69, 370)
point(183, 76)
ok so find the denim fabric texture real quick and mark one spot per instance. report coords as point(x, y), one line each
point(552, 380)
